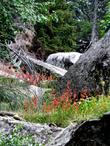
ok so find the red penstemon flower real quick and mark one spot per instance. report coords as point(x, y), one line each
point(33, 79)
point(55, 102)
point(35, 101)
point(65, 101)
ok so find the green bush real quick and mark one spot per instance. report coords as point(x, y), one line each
point(55, 27)
point(14, 15)
point(11, 93)
point(105, 23)
point(16, 139)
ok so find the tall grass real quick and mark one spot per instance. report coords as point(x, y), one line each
point(87, 109)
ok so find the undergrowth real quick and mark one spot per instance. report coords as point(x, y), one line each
point(60, 110)
point(16, 139)
point(87, 109)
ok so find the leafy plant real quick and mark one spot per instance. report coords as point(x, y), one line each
point(16, 139)
point(10, 93)
point(105, 23)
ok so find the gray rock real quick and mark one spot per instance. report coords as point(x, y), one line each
point(42, 133)
point(63, 59)
point(63, 137)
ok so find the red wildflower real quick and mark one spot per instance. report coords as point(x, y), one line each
point(75, 95)
point(34, 101)
point(55, 102)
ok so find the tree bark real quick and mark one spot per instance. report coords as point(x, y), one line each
point(91, 73)
point(94, 35)
point(53, 69)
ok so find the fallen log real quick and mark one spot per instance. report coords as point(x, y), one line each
point(50, 67)
point(26, 58)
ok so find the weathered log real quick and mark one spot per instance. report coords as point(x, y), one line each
point(54, 69)
point(27, 59)
point(90, 71)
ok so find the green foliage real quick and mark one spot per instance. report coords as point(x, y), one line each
point(11, 94)
point(55, 26)
point(84, 28)
point(16, 139)
point(7, 10)
point(4, 53)
point(60, 25)
point(105, 23)
point(26, 10)
point(14, 15)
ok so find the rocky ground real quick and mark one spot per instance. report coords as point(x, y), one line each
point(42, 133)
point(88, 133)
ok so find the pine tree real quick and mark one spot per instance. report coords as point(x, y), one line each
point(55, 27)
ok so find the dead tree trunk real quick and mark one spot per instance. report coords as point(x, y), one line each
point(92, 71)
point(94, 35)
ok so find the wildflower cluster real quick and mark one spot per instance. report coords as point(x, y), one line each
point(33, 79)
point(65, 101)
point(68, 100)
point(31, 104)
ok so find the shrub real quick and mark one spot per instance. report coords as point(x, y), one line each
point(16, 139)
point(55, 27)
point(11, 93)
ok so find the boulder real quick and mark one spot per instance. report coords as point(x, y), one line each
point(88, 133)
point(63, 59)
